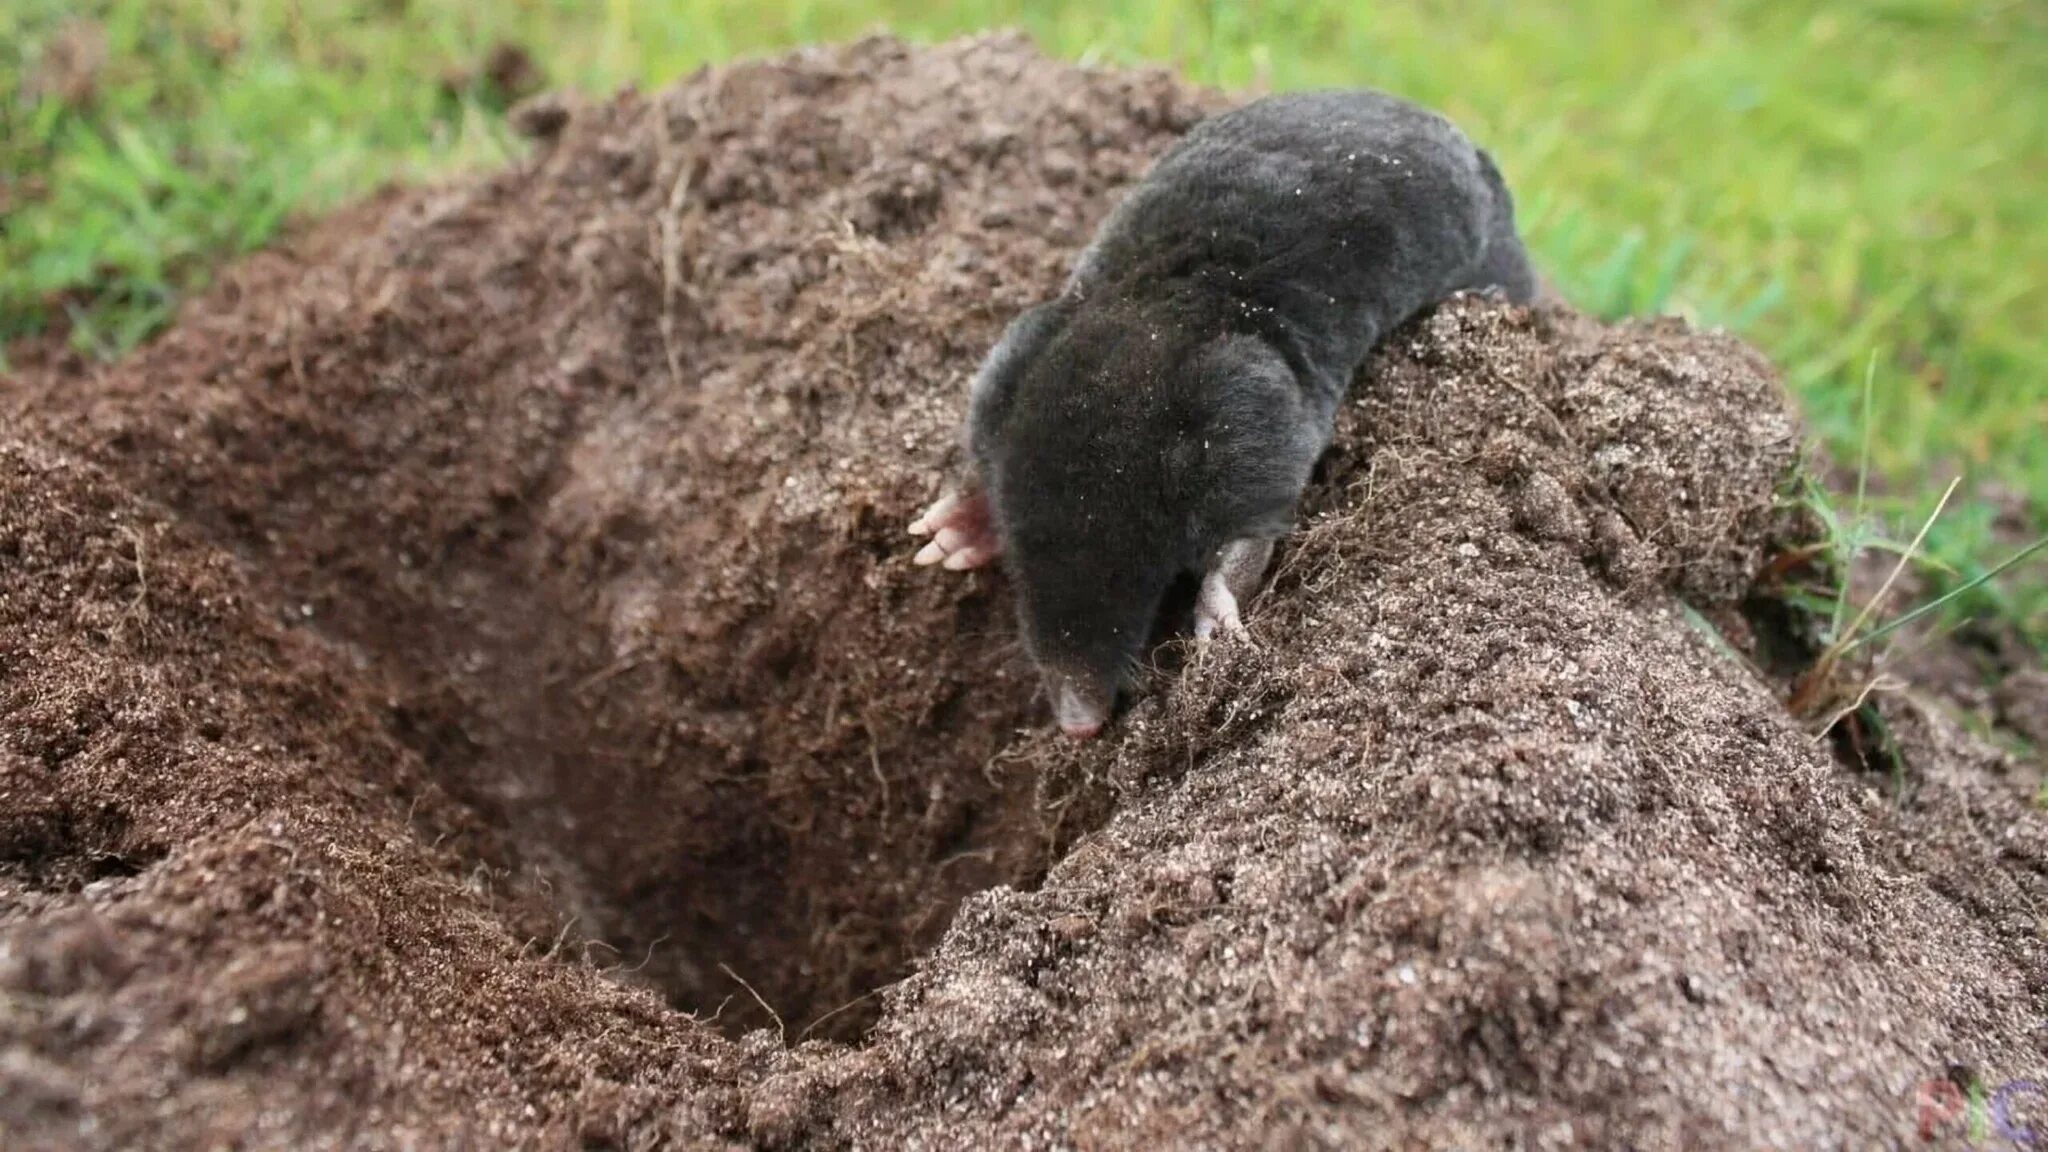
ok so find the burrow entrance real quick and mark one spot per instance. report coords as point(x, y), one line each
point(766, 848)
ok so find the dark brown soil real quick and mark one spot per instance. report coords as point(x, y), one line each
point(466, 687)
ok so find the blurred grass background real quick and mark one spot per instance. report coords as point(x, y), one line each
point(1858, 187)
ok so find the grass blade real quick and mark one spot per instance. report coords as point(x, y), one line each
point(1845, 641)
point(1960, 590)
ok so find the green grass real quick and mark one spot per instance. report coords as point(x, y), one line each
point(1855, 186)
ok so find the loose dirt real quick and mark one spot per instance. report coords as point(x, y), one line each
point(465, 686)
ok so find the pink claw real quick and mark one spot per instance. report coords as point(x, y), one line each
point(940, 510)
point(962, 532)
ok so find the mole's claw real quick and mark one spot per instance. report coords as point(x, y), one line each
point(935, 515)
point(1217, 610)
point(962, 532)
point(968, 557)
point(1234, 575)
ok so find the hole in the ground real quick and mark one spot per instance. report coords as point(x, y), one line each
point(766, 826)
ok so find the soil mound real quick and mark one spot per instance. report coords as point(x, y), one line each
point(466, 686)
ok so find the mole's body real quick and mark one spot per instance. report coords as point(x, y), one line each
point(1160, 418)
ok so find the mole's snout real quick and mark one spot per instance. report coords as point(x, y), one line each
point(1081, 712)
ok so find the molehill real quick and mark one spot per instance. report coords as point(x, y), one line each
point(466, 686)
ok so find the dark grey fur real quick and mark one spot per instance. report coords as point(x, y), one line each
point(1177, 394)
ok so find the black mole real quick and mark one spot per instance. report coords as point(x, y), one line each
point(1160, 418)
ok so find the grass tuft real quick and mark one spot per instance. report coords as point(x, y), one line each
point(1836, 691)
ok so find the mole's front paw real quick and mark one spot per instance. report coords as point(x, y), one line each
point(1233, 575)
point(1216, 610)
point(962, 532)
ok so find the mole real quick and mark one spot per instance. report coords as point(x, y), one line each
point(1158, 421)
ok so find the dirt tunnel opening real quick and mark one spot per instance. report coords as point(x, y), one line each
point(766, 850)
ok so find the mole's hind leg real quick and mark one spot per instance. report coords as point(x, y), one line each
point(963, 533)
point(1231, 579)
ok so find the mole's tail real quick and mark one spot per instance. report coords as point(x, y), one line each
point(1506, 263)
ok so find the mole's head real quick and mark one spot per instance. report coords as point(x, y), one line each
point(1119, 456)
